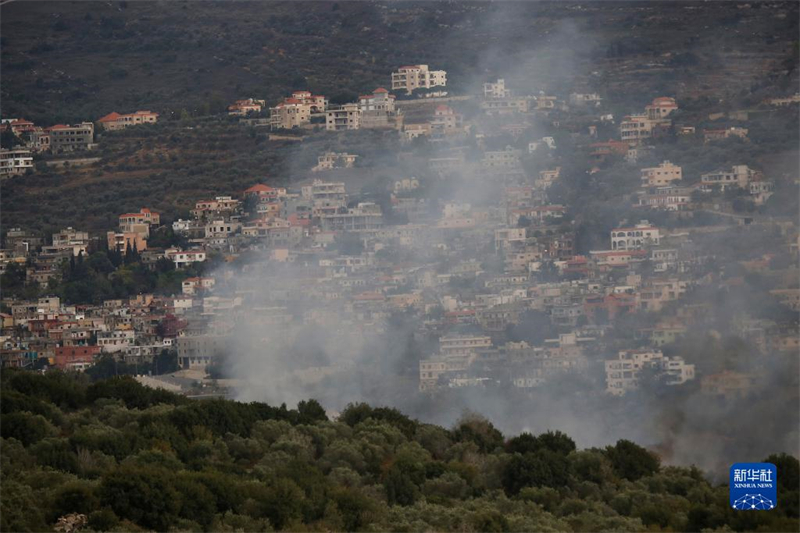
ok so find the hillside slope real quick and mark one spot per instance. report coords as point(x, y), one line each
point(69, 61)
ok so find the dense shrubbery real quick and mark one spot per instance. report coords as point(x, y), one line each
point(129, 458)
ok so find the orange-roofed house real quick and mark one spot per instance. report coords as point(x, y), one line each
point(246, 106)
point(116, 121)
point(265, 192)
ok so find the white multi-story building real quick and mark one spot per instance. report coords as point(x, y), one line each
point(622, 373)
point(15, 162)
point(496, 89)
point(637, 237)
point(412, 77)
point(182, 258)
point(662, 175)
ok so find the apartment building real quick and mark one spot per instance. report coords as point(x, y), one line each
point(636, 237)
point(445, 121)
point(463, 344)
point(496, 89)
point(289, 114)
point(325, 194)
point(199, 351)
point(662, 175)
point(15, 162)
point(365, 216)
point(506, 105)
point(144, 217)
point(125, 240)
point(379, 100)
point(412, 77)
point(738, 176)
point(507, 158)
point(317, 103)
point(622, 373)
point(116, 121)
point(64, 138)
point(115, 341)
point(655, 118)
point(667, 199)
point(342, 118)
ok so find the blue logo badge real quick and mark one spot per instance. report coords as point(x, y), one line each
point(754, 486)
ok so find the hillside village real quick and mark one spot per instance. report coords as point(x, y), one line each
point(492, 277)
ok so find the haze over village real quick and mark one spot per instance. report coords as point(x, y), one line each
point(549, 255)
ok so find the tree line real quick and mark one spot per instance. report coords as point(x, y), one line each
point(130, 458)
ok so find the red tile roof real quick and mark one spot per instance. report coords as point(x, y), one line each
point(258, 188)
point(111, 117)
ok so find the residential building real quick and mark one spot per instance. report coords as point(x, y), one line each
point(345, 117)
point(196, 285)
point(581, 99)
point(445, 121)
point(365, 216)
point(719, 135)
point(75, 357)
point(115, 121)
point(331, 160)
point(738, 176)
point(667, 198)
point(636, 237)
point(412, 77)
point(506, 105)
point(649, 124)
point(77, 242)
point(127, 240)
point(115, 340)
point(289, 114)
point(496, 89)
point(507, 158)
point(182, 258)
point(379, 100)
point(317, 103)
point(728, 384)
point(199, 351)
point(65, 138)
point(145, 217)
point(622, 373)
point(15, 162)
point(245, 107)
point(325, 194)
point(662, 175)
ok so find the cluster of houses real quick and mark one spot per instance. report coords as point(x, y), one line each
point(480, 278)
point(58, 139)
